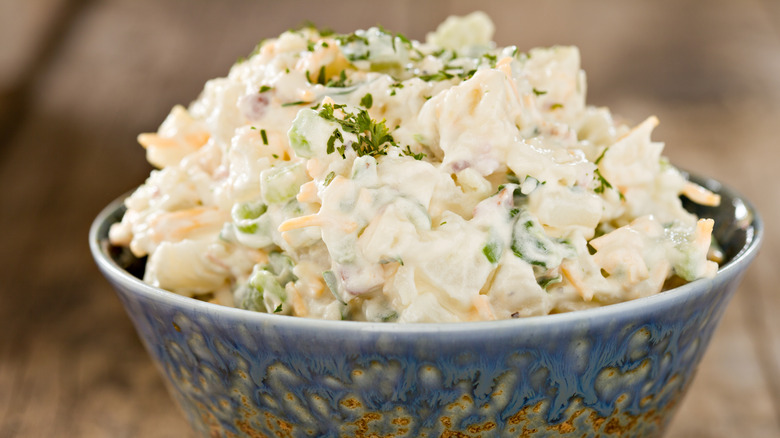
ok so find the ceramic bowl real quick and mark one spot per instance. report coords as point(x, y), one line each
point(619, 370)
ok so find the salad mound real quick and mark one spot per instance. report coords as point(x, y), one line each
point(366, 176)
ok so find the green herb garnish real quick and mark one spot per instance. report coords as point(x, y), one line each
point(373, 137)
point(408, 152)
point(604, 184)
point(328, 178)
point(367, 101)
point(297, 102)
point(321, 76)
point(264, 136)
point(341, 82)
point(601, 156)
point(440, 75)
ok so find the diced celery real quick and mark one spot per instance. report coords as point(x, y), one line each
point(531, 243)
point(364, 170)
point(416, 213)
point(685, 256)
point(281, 183)
point(333, 285)
point(299, 143)
point(309, 134)
point(262, 293)
point(252, 225)
point(281, 266)
point(492, 251)
point(248, 210)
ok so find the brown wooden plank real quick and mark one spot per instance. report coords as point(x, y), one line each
point(728, 397)
point(25, 27)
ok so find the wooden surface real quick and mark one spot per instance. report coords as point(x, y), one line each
point(78, 81)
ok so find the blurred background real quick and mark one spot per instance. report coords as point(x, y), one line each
point(80, 79)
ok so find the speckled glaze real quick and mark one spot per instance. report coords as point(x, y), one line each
point(620, 370)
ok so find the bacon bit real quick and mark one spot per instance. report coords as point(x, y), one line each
point(700, 195)
point(575, 278)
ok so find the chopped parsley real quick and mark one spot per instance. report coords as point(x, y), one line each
point(351, 38)
point(265, 88)
point(373, 138)
point(331, 146)
point(408, 152)
point(278, 309)
point(603, 183)
point(367, 101)
point(354, 40)
point(341, 82)
point(539, 92)
point(492, 59)
point(445, 74)
point(556, 106)
point(395, 86)
point(297, 102)
point(492, 252)
point(441, 75)
point(598, 160)
point(546, 282)
point(321, 76)
point(264, 136)
point(393, 36)
point(329, 177)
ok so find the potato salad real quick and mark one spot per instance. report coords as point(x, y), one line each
point(370, 177)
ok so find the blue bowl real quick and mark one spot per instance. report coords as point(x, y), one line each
point(619, 370)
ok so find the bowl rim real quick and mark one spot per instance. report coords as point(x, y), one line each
point(679, 295)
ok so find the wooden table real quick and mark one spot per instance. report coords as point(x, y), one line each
point(79, 79)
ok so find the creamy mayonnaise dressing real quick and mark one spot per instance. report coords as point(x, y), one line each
point(370, 177)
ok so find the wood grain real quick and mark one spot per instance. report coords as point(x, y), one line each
point(70, 362)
